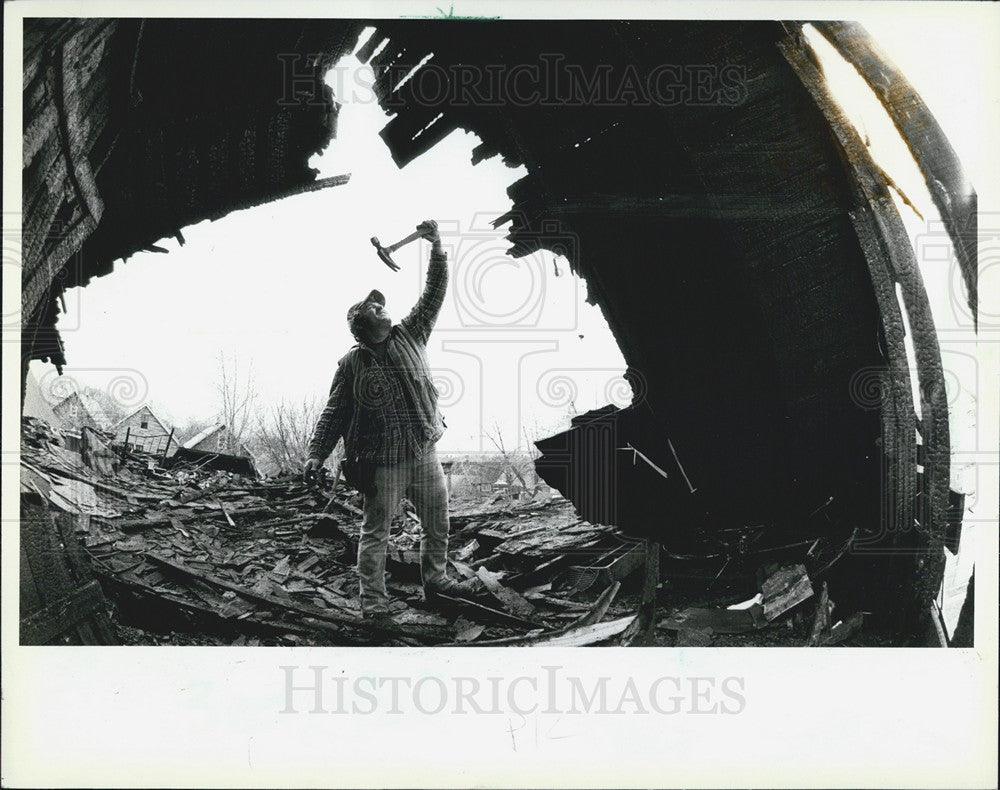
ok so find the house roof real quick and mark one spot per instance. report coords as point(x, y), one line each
point(93, 409)
point(197, 439)
point(241, 451)
point(144, 407)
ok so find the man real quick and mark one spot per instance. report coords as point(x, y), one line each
point(384, 403)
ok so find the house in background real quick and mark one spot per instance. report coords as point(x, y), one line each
point(508, 483)
point(78, 411)
point(36, 404)
point(216, 439)
point(217, 448)
point(144, 432)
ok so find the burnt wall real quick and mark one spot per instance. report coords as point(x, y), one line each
point(713, 232)
point(134, 129)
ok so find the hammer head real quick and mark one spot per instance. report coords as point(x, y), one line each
point(384, 254)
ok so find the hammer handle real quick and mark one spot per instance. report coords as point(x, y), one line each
point(415, 235)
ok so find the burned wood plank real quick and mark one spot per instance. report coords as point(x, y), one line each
point(784, 590)
point(158, 596)
point(119, 492)
point(466, 630)
point(480, 611)
point(589, 634)
point(640, 631)
point(56, 574)
point(229, 519)
point(821, 561)
point(512, 601)
point(720, 621)
point(139, 524)
point(924, 569)
point(600, 607)
point(821, 620)
point(843, 630)
point(950, 188)
point(624, 564)
point(191, 496)
point(579, 629)
point(313, 612)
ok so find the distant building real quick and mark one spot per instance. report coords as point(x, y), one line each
point(78, 411)
point(144, 432)
point(216, 439)
point(217, 448)
point(509, 484)
point(35, 403)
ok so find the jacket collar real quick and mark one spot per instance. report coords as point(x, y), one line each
point(365, 347)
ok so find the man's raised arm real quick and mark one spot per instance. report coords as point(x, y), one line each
point(421, 319)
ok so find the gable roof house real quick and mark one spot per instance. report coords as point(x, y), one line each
point(217, 448)
point(78, 410)
point(216, 439)
point(36, 404)
point(144, 432)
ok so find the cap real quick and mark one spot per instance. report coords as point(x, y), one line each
point(374, 296)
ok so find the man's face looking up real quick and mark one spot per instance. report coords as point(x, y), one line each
point(373, 323)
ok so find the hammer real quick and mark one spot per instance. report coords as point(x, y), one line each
point(385, 253)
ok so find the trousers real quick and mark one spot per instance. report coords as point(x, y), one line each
point(421, 479)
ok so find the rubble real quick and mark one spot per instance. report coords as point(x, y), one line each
point(782, 593)
point(188, 553)
point(749, 403)
point(240, 559)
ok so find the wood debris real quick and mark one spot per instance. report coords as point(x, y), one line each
point(786, 588)
point(237, 559)
point(271, 560)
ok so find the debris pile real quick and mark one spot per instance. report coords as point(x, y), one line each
point(782, 601)
point(273, 562)
point(237, 560)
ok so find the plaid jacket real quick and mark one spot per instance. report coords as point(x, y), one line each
point(386, 410)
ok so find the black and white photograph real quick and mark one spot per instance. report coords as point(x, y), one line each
point(375, 358)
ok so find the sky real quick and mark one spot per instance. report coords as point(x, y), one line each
point(516, 349)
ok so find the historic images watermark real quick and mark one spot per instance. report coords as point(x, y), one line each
point(548, 82)
point(935, 247)
point(318, 689)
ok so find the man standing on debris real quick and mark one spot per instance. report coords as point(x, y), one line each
point(384, 404)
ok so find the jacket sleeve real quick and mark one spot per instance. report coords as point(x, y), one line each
point(336, 414)
point(421, 319)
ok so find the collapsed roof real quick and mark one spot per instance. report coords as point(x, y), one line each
point(744, 248)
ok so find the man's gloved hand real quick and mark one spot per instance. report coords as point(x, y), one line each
point(430, 230)
point(311, 470)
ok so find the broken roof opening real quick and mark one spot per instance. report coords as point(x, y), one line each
point(571, 174)
point(279, 297)
point(723, 244)
point(927, 207)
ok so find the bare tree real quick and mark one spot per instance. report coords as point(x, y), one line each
point(237, 397)
point(282, 434)
point(517, 464)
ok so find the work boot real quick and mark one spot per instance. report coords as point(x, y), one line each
point(454, 589)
